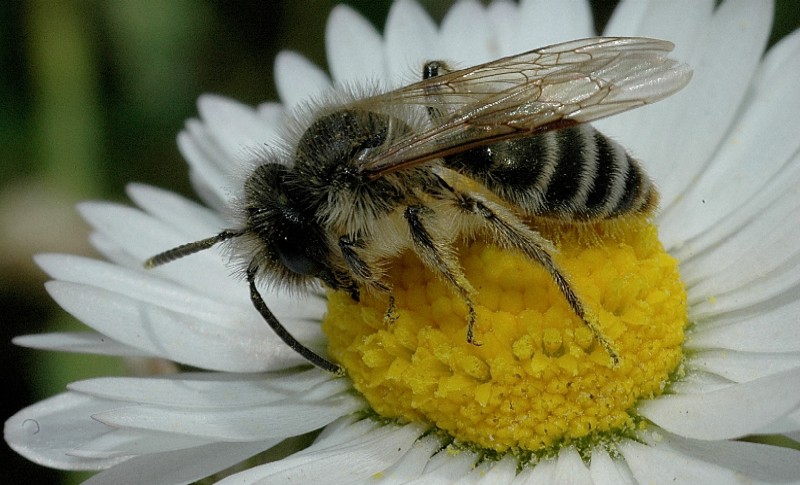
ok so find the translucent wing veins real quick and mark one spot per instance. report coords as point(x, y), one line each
point(517, 96)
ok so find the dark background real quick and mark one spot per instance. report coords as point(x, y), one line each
point(93, 94)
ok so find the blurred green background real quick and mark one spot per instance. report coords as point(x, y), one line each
point(93, 94)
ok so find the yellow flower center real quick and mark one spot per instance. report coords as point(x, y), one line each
point(538, 378)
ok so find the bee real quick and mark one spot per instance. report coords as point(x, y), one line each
point(461, 153)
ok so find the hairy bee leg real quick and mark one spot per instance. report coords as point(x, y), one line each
point(513, 233)
point(284, 334)
point(361, 269)
point(440, 258)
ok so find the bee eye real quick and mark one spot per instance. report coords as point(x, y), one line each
point(292, 253)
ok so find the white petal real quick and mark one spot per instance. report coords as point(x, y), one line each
point(779, 55)
point(354, 48)
point(743, 366)
point(180, 466)
point(411, 40)
point(504, 17)
point(730, 49)
point(204, 273)
point(143, 236)
point(112, 251)
point(608, 471)
point(727, 47)
point(700, 382)
point(775, 201)
point(629, 15)
point(767, 326)
point(297, 79)
point(228, 346)
point(345, 429)
point(681, 22)
point(211, 181)
point(772, 212)
point(128, 443)
point(138, 285)
point(542, 473)
point(272, 113)
point(170, 207)
point(209, 193)
point(776, 286)
point(490, 472)
point(670, 459)
point(465, 35)
point(571, 469)
point(237, 128)
point(211, 155)
point(542, 22)
point(80, 342)
point(445, 467)
point(759, 146)
point(659, 464)
point(353, 461)
point(787, 425)
point(644, 131)
point(728, 413)
point(209, 390)
point(412, 464)
point(288, 417)
point(48, 431)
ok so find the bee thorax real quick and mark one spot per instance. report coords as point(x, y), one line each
point(326, 178)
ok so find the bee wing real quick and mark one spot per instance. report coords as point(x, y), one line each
point(525, 94)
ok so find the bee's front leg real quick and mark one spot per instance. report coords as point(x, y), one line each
point(362, 272)
point(439, 257)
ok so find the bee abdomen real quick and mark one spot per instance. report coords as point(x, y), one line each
point(574, 173)
point(611, 183)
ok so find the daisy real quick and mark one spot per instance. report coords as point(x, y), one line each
point(699, 368)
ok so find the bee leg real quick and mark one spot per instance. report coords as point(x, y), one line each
point(513, 233)
point(362, 271)
point(284, 334)
point(359, 267)
point(429, 70)
point(440, 258)
point(391, 315)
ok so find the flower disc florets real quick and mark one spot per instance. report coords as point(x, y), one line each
point(538, 378)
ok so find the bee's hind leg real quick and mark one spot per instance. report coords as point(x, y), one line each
point(439, 257)
point(511, 232)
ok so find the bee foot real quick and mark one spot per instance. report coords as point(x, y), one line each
point(391, 315)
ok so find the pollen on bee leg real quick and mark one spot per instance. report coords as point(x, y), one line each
point(540, 378)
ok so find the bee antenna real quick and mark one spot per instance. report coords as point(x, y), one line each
point(280, 330)
point(190, 248)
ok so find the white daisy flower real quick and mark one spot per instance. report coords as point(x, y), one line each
point(537, 402)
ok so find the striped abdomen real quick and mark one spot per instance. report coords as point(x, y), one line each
point(573, 173)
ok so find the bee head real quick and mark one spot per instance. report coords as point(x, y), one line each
point(279, 240)
point(282, 238)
